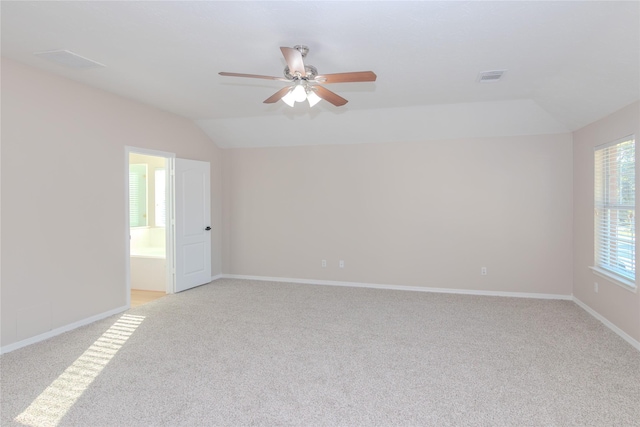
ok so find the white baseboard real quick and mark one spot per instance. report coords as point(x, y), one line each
point(588, 309)
point(402, 288)
point(608, 323)
point(52, 333)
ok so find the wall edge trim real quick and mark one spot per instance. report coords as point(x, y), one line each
point(62, 329)
point(401, 287)
point(634, 343)
point(622, 334)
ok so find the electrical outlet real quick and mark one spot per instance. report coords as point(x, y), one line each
point(324, 263)
point(483, 271)
point(341, 264)
point(595, 287)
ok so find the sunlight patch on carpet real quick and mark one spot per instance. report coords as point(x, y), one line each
point(55, 401)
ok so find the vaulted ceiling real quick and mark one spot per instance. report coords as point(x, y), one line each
point(568, 63)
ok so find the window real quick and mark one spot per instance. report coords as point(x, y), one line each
point(615, 208)
point(137, 195)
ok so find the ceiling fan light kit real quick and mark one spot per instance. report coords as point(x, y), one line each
point(306, 83)
point(301, 92)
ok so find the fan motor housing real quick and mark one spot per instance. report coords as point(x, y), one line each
point(310, 73)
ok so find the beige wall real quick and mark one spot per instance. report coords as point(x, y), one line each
point(425, 214)
point(618, 305)
point(63, 213)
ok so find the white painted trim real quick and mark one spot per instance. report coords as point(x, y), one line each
point(608, 324)
point(169, 229)
point(147, 152)
point(623, 282)
point(402, 288)
point(585, 307)
point(52, 333)
point(127, 231)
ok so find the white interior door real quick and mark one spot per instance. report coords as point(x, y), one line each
point(193, 223)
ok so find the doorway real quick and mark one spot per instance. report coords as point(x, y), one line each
point(139, 297)
point(150, 260)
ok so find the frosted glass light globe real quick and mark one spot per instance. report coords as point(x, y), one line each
point(299, 94)
point(289, 98)
point(313, 98)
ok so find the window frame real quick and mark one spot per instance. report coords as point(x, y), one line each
point(160, 197)
point(603, 208)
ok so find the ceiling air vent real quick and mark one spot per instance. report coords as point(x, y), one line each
point(490, 76)
point(68, 59)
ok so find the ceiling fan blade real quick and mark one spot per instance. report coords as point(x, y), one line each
point(329, 96)
point(356, 76)
point(253, 76)
point(294, 60)
point(277, 96)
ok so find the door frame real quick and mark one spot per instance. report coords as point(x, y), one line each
point(170, 262)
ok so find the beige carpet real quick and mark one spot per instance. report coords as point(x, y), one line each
point(244, 353)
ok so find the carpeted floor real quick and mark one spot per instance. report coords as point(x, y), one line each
point(244, 353)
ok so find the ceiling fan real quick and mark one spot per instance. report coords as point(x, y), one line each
point(307, 83)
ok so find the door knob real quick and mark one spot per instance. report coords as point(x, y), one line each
point(208, 228)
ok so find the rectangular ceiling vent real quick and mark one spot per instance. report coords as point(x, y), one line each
point(490, 76)
point(68, 59)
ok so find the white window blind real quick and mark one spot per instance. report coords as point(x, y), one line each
point(137, 195)
point(615, 208)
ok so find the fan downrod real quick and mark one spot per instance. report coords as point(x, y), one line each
point(302, 49)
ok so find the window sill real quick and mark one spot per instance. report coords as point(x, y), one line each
point(613, 278)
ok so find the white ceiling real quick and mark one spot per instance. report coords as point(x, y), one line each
point(569, 63)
